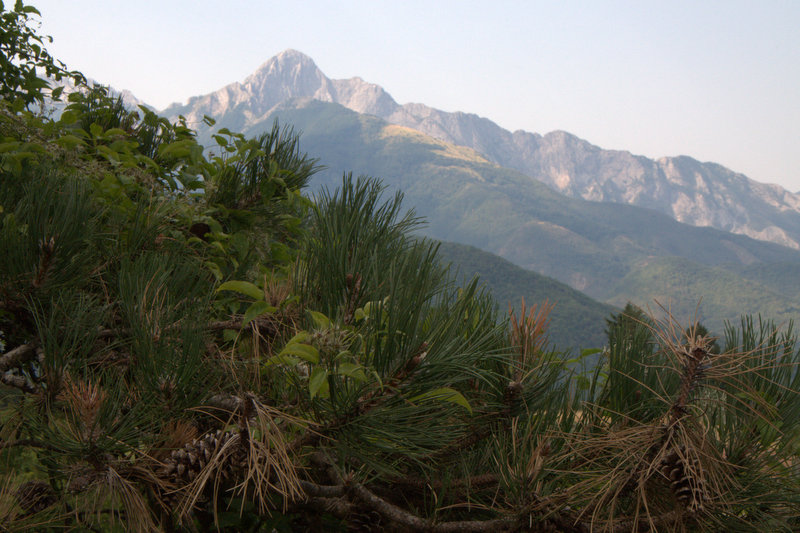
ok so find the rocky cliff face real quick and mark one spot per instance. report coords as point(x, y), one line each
point(701, 194)
point(288, 75)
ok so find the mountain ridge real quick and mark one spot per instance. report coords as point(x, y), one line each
point(591, 246)
point(690, 191)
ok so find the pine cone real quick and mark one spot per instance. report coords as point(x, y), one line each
point(35, 496)
point(686, 480)
point(185, 463)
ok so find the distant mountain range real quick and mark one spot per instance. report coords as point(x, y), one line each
point(532, 211)
point(701, 194)
point(608, 251)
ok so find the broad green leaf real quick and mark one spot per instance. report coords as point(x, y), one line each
point(9, 146)
point(320, 320)
point(257, 309)
point(303, 351)
point(300, 336)
point(107, 153)
point(343, 354)
point(359, 315)
point(69, 116)
point(114, 132)
point(590, 351)
point(352, 370)
point(444, 394)
point(367, 310)
point(243, 287)
point(279, 359)
point(214, 268)
point(318, 383)
point(69, 142)
point(176, 149)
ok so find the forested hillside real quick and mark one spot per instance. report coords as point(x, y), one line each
point(576, 321)
point(190, 342)
point(591, 246)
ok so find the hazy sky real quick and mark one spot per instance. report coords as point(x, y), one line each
point(719, 81)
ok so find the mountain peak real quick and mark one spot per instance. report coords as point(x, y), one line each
point(292, 73)
point(289, 59)
point(701, 194)
point(292, 54)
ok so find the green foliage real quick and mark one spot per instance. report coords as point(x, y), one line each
point(189, 344)
point(24, 59)
point(353, 236)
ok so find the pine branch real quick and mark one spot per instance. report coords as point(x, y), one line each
point(48, 248)
point(324, 491)
point(371, 399)
point(365, 403)
point(353, 282)
point(339, 507)
point(17, 356)
point(13, 360)
point(693, 372)
point(17, 381)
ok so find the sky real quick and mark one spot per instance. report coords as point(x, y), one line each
point(715, 80)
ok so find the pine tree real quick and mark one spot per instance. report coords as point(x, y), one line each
point(189, 343)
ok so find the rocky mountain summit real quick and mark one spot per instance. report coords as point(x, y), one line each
point(693, 192)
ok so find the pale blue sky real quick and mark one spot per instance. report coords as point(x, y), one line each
point(719, 81)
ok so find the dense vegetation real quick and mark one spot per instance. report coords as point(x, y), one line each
point(191, 344)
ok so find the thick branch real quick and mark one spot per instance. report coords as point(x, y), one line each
point(325, 491)
point(17, 356)
point(18, 382)
point(402, 517)
point(338, 507)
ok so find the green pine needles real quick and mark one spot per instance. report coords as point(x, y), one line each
point(188, 342)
